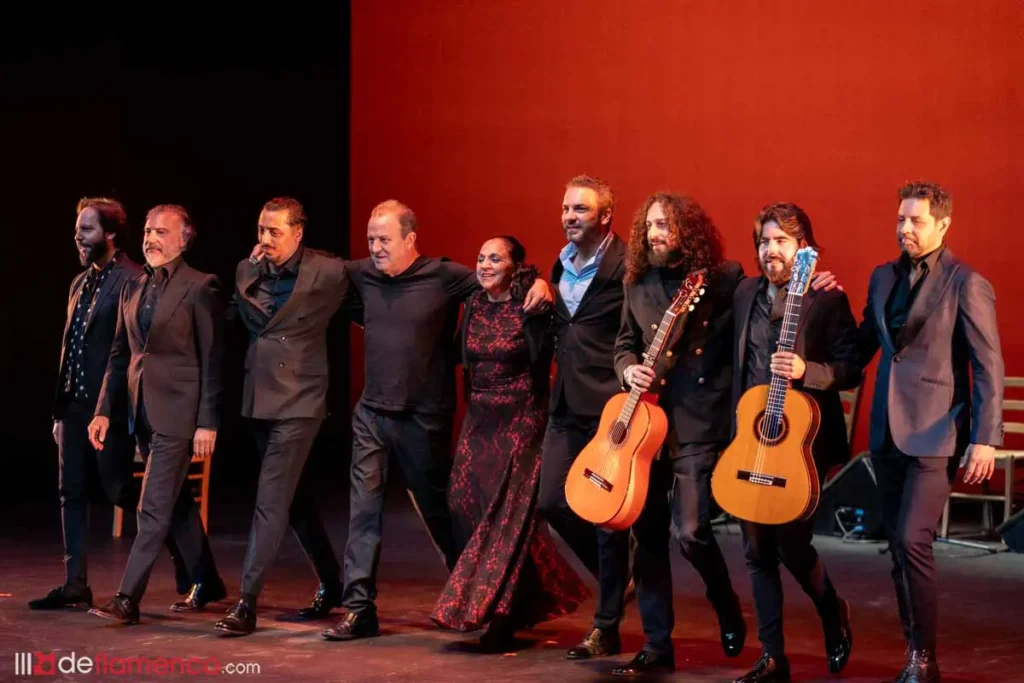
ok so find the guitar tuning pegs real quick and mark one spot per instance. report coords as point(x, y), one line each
point(691, 307)
point(700, 291)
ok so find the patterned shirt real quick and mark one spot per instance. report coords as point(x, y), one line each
point(574, 284)
point(74, 374)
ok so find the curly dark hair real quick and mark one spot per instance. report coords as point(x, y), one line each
point(699, 239)
point(940, 201)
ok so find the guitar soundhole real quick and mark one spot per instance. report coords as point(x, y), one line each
point(618, 433)
point(771, 429)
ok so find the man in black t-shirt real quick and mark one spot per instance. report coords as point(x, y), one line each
point(409, 305)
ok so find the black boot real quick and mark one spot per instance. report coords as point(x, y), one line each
point(326, 599)
point(767, 670)
point(922, 667)
point(647, 662)
point(240, 619)
point(120, 608)
point(354, 625)
point(201, 595)
point(839, 642)
point(62, 597)
point(731, 627)
point(597, 643)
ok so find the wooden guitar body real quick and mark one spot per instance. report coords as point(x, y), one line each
point(607, 483)
point(767, 474)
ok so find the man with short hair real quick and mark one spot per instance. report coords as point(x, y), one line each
point(409, 305)
point(587, 276)
point(166, 357)
point(938, 400)
point(285, 295)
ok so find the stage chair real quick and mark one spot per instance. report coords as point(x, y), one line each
point(198, 479)
point(1005, 459)
point(851, 406)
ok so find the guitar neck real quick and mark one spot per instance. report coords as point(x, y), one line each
point(787, 341)
point(651, 356)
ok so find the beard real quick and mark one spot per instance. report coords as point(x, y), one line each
point(777, 276)
point(663, 259)
point(93, 253)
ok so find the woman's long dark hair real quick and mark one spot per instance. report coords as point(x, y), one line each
point(523, 276)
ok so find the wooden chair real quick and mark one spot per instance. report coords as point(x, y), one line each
point(851, 406)
point(1005, 459)
point(198, 478)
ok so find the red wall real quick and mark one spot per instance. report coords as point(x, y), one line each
point(476, 113)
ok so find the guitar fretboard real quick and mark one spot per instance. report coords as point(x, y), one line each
point(650, 357)
point(787, 340)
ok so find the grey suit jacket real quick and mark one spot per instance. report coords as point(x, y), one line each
point(286, 361)
point(176, 370)
point(923, 389)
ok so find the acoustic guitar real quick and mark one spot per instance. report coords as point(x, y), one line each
point(607, 483)
point(767, 474)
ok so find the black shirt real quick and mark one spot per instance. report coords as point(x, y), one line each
point(410, 322)
point(763, 330)
point(156, 283)
point(275, 285)
point(74, 374)
point(671, 280)
point(910, 276)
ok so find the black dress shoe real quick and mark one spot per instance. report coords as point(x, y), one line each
point(200, 596)
point(597, 643)
point(767, 670)
point(839, 644)
point(120, 608)
point(731, 627)
point(647, 662)
point(63, 596)
point(354, 625)
point(922, 667)
point(240, 619)
point(324, 601)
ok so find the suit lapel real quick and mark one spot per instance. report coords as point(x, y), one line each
point(886, 281)
point(609, 262)
point(72, 303)
point(743, 308)
point(110, 283)
point(806, 305)
point(131, 308)
point(308, 273)
point(243, 289)
point(176, 289)
point(932, 289)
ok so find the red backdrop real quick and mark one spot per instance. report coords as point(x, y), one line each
point(476, 113)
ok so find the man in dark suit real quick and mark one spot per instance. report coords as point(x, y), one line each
point(101, 229)
point(671, 237)
point(587, 278)
point(285, 296)
point(166, 356)
point(824, 361)
point(934, 319)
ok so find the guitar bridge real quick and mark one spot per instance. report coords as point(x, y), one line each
point(597, 479)
point(761, 479)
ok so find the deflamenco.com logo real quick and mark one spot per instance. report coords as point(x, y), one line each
point(104, 664)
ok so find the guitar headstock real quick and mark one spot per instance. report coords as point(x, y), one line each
point(689, 292)
point(803, 268)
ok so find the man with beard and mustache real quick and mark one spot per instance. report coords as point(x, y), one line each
point(166, 357)
point(672, 236)
point(85, 473)
point(823, 362)
point(937, 402)
point(587, 277)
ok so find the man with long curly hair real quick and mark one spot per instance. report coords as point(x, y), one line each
point(671, 237)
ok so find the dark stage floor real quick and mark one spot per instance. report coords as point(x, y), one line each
point(981, 632)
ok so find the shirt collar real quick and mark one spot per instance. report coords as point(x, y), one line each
point(928, 260)
point(570, 250)
point(290, 266)
point(169, 268)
